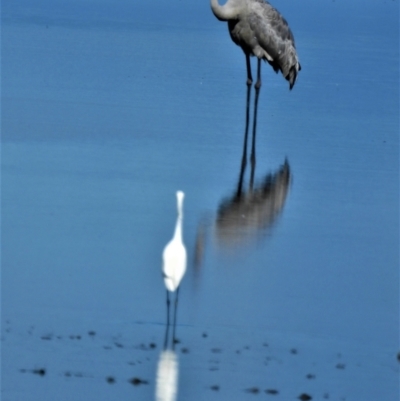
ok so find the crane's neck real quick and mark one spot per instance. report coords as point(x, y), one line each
point(228, 11)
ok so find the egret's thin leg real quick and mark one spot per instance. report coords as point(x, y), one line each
point(166, 336)
point(253, 143)
point(174, 323)
point(248, 66)
point(168, 303)
point(258, 82)
point(167, 326)
point(244, 156)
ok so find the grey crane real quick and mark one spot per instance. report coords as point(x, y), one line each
point(261, 31)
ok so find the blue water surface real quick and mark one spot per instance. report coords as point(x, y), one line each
point(108, 108)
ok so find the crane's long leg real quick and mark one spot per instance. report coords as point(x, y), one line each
point(248, 66)
point(258, 82)
point(246, 132)
point(253, 143)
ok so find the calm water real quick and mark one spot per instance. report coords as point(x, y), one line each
point(108, 108)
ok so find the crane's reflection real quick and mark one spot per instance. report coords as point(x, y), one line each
point(249, 212)
point(173, 269)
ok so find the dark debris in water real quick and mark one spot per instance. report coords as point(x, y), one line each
point(40, 372)
point(145, 347)
point(136, 381)
point(110, 379)
point(215, 387)
point(398, 356)
point(305, 397)
point(216, 350)
point(272, 391)
point(253, 390)
point(340, 366)
point(75, 337)
point(47, 337)
point(185, 350)
point(91, 333)
point(293, 351)
point(310, 376)
point(37, 371)
point(73, 374)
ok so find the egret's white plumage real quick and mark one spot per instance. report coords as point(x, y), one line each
point(174, 254)
point(173, 269)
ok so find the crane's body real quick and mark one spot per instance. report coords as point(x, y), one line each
point(174, 254)
point(261, 31)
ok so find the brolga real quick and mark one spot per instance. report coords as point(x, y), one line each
point(174, 263)
point(261, 31)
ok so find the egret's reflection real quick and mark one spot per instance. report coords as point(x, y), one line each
point(173, 269)
point(167, 376)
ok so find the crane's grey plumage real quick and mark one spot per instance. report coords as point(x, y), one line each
point(261, 31)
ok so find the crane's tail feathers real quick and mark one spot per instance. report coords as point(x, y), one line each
point(291, 77)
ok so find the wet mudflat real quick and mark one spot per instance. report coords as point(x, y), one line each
point(291, 290)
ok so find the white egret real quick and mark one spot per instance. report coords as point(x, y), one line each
point(174, 261)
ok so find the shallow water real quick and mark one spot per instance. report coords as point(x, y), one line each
point(107, 110)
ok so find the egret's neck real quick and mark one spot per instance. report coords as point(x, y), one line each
point(180, 207)
point(178, 227)
point(226, 12)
